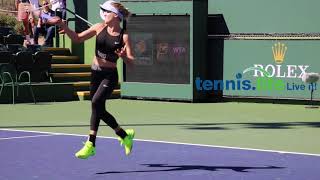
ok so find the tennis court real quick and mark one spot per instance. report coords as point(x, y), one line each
point(173, 140)
point(180, 48)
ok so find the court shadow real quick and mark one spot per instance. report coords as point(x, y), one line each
point(252, 125)
point(169, 168)
point(196, 126)
point(282, 125)
point(246, 126)
point(207, 128)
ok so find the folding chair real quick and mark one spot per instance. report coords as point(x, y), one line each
point(6, 30)
point(15, 48)
point(1, 38)
point(3, 47)
point(6, 57)
point(13, 39)
point(24, 66)
point(7, 72)
point(42, 64)
point(33, 48)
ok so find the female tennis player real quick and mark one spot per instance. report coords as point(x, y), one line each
point(112, 42)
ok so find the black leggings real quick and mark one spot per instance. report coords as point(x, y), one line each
point(102, 85)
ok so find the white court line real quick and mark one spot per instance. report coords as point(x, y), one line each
point(168, 142)
point(23, 137)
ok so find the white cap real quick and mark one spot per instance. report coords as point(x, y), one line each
point(108, 6)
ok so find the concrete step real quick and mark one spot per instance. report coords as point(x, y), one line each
point(65, 60)
point(43, 92)
point(71, 77)
point(58, 51)
point(82, 86)
point(61, 68)
point(51, 92)
point(85, 85)
point(85, 95)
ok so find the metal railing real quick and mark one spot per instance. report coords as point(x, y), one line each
point(67, 21)
point(266, 36)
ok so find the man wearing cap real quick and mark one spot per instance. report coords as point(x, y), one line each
point(45, 26)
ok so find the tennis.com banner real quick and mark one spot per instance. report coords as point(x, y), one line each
point(267, 68)
point(261, 84)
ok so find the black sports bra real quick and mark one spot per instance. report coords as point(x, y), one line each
point(106, 45)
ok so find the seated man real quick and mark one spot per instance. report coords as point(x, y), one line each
point(44, 26)
point(60, 7)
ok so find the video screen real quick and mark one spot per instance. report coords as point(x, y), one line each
point(161, 46)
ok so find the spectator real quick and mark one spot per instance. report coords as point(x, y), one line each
point(59, 6)
point(35, 12)
point(35, 8)
point(44, 26)
point(25, 15)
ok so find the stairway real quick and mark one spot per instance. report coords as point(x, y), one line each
point(67, 68)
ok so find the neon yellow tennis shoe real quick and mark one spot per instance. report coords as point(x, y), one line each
point(87, 151)
point(127, 142)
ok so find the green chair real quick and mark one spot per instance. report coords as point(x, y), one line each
point(7, 78)
point(42, 65)
point(24, 66)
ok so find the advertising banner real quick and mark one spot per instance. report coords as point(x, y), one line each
point(270, 68)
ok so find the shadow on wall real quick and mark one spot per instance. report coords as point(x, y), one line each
point(81, 9)
point(216, 26)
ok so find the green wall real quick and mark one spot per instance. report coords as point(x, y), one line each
point(157, 90)
point(246, 16)
point(273, 16)
point(268, 16)
point(143, 89)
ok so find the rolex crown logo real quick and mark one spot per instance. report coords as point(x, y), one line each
point(279, 51)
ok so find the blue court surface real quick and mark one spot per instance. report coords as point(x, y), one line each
point(49, 156)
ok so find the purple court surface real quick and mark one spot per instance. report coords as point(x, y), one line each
point(44, 156)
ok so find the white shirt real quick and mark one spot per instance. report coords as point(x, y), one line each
point(57, 4)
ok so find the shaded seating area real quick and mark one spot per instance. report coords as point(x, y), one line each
point(23, 69)
point(42, 66)
point(15, 48)
point(5, 31)
point(7, 72)
point(13, 39)
point(56, 74)
point(24, 65)
point(10, 40)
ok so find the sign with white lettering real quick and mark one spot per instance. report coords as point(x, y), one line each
point(272, 68)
